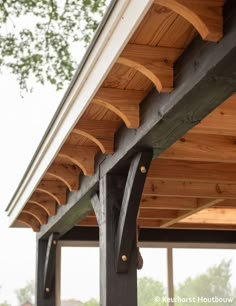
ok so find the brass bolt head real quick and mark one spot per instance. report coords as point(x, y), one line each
point(124, 258)
point(47, 290)
point(143, 169)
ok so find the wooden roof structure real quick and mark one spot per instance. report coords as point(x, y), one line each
point(145, 135)
point(170, 87)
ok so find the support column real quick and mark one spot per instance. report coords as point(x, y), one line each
point(118, 289)
point(116, 210)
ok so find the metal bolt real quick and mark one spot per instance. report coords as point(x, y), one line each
point(54, 242)
point(47, 290)
point(143, 169)
point(124, 258)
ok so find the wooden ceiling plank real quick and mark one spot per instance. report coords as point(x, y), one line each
point(213, 216)
point(100, 132)
point(199, 147)
point(191, 189)
point(202, 204)
point(45, 201)
point(158, 214)
point(168, 203)
point(123, 102)
point(156, 63)
point(54, 189)
point(204, 226)
point(206, 16)
point(68, 174)
point(170, 169)
point(30, 221)
point(81, 156)
point(37, 212)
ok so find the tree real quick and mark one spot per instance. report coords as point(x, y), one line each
point(214, 283)
point(26, 294)
point(150, 292)
point(91, 302)
point(36, 37)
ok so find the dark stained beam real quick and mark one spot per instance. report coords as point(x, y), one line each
point(205, 77)
point(150, 235)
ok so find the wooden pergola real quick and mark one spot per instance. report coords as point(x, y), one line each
point(145, 136)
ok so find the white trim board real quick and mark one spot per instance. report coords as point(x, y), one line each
point(120, 26)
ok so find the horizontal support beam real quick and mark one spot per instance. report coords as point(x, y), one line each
point(164, 117)
point(149, 235)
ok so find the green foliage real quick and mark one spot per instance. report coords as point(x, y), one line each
point(149, 292)
point(36, 36)
point(26, 294)
point(91, 302)
point(215, 282)
point(5, 304)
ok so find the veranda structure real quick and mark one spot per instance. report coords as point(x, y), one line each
point(144, 137)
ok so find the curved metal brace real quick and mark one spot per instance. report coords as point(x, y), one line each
point(37, 212)
point(101, 132)
point(30, 221)
point(156, 63)
point(123, 102)
point(44, 201)
point(81, 156)
point(67, 174)
point(206, 16)
point(54, 189)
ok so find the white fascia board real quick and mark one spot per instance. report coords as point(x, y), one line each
point(120, 26)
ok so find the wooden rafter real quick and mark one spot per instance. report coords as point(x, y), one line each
point(29, 220)
point(100, 132)
point(124, 103)
point(44, 201)
point(168, 203)
point(68, 174)
point(54, 189)
point(156, 63)
point(205, 15)
point(36, 211)
point(81, 156)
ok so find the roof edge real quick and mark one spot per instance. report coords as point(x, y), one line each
point(119, 23)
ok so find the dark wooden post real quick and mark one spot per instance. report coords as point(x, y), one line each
point(116, 210)
point(118, 289)
point(45, 271)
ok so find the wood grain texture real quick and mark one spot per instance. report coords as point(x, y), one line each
point(55, 189)
point(101, 132)
point(156, 63)
point(205, 15)
point(81, 156)
point(176, 203)
point(44, 201)
point(36, 211)
point(171, 169)
point(203, 147)
point(213, 216)
point(29, 221)
point(192, 189)
point(124, 103)
point(202, 204)
point(67, 174)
